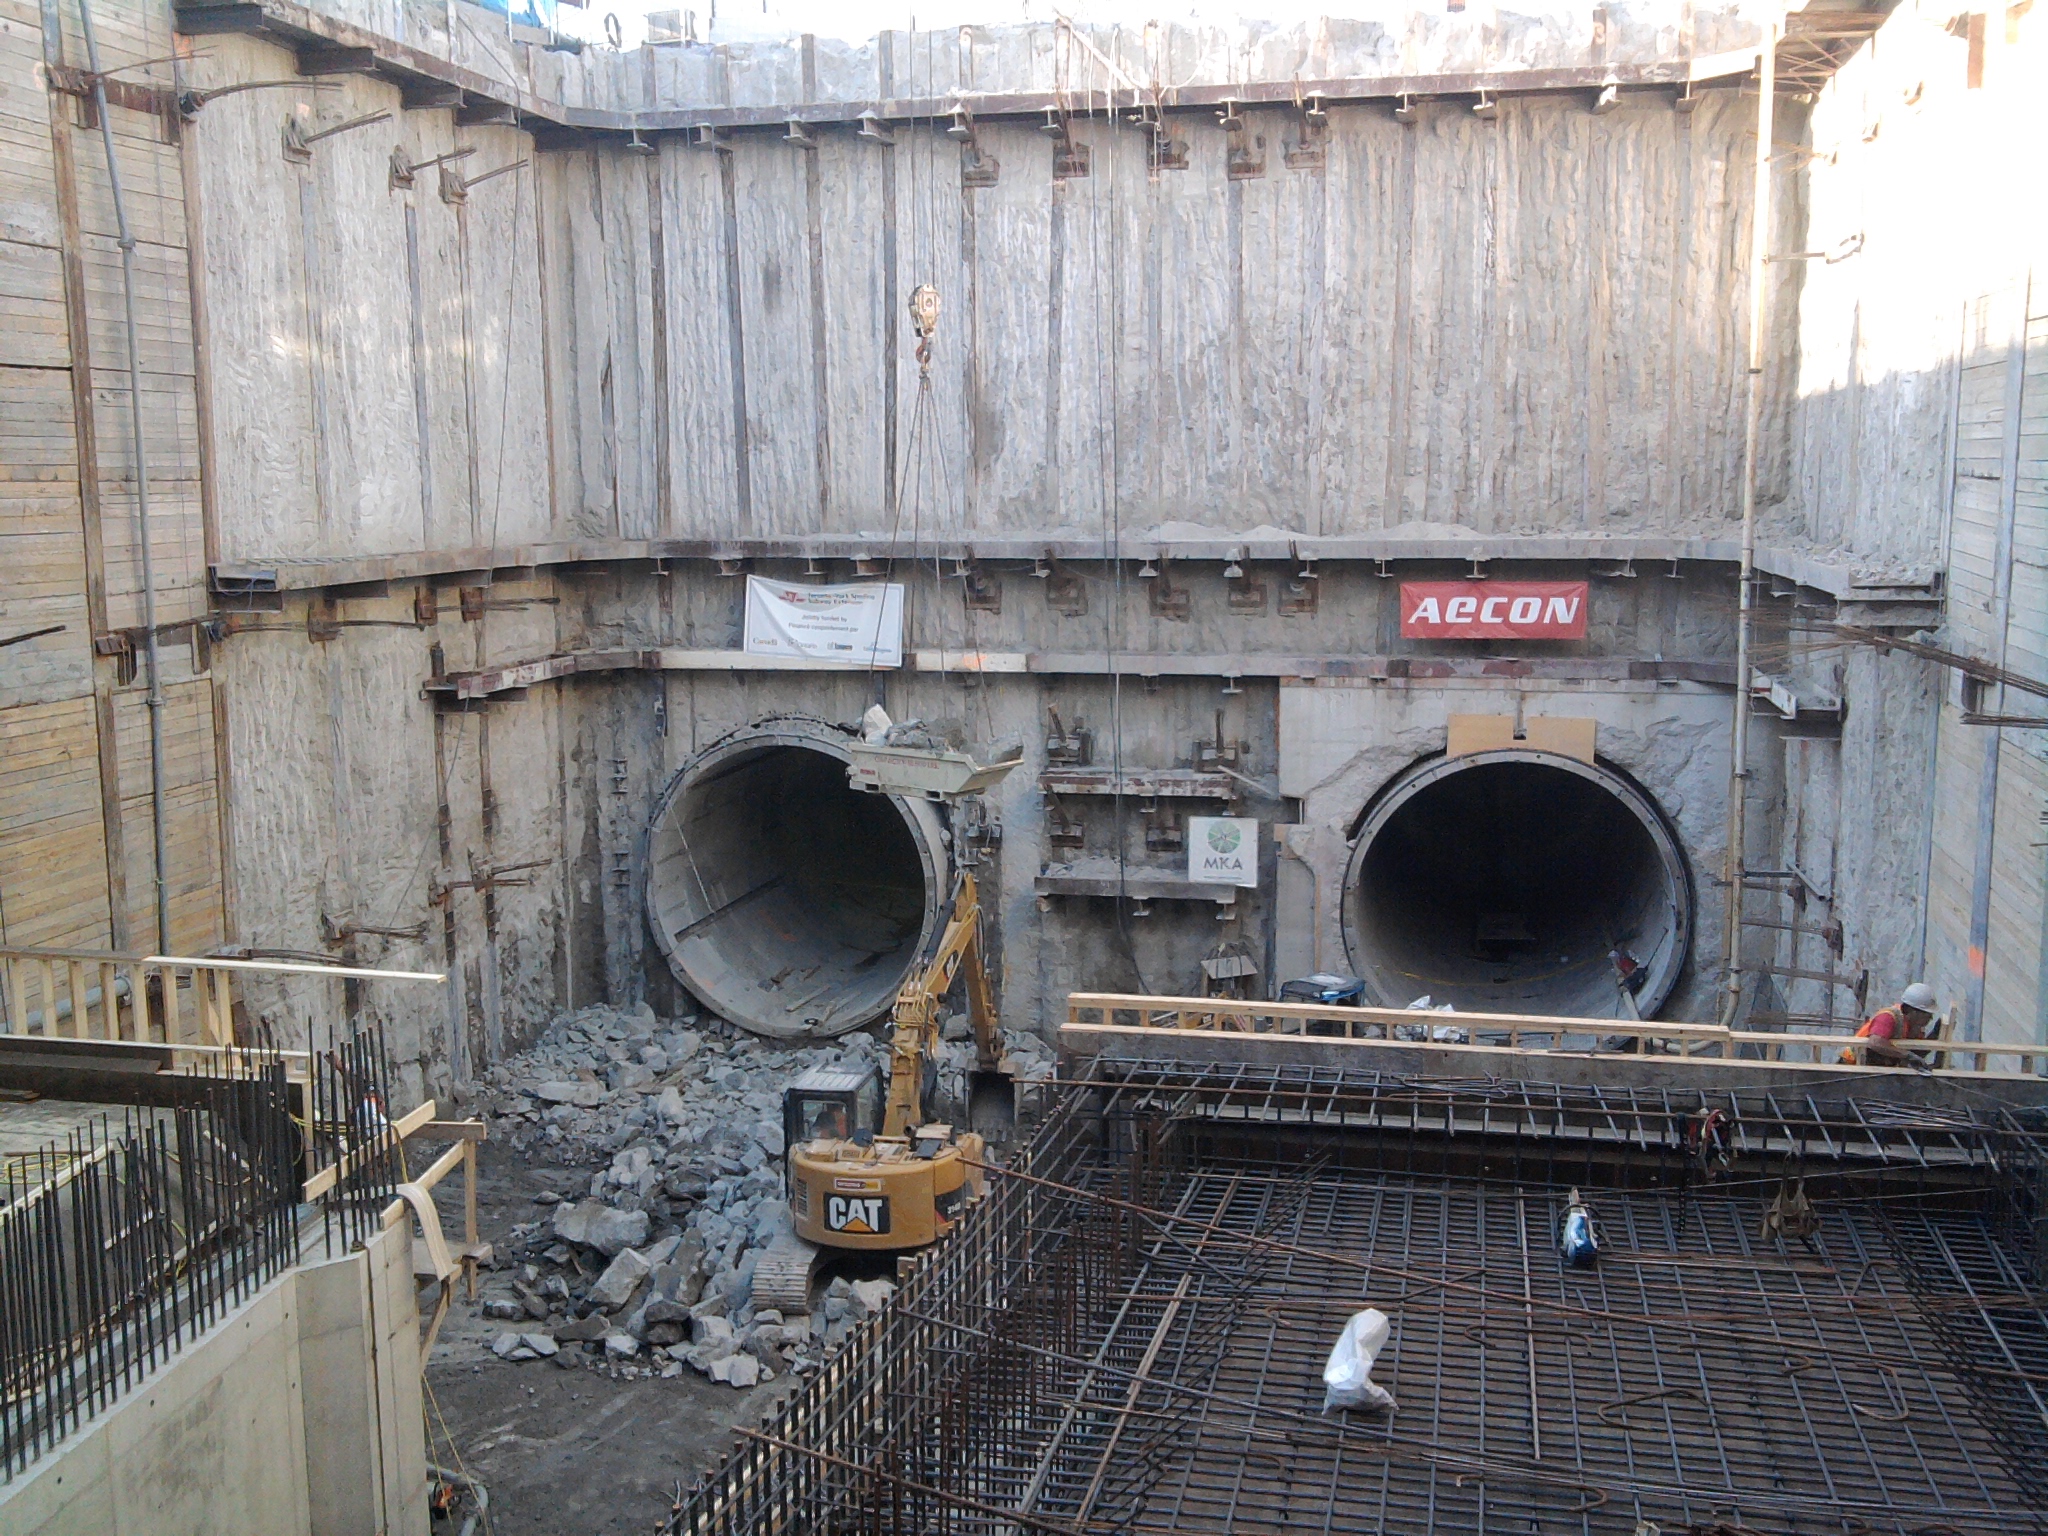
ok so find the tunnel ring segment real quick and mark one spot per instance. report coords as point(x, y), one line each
point(1498, 881)
point(784, 899)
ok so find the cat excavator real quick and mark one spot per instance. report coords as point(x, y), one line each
point(866, 1170)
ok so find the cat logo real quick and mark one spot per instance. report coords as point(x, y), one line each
point(847, 1213)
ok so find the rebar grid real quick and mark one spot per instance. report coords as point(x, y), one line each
point(1131, 1335)
point(126, 1243)
point(350, 1128)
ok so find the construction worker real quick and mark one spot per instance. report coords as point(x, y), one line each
point(1907, 1019)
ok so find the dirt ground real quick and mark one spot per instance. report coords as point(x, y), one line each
point(562, 1446)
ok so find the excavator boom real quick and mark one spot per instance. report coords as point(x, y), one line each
point(917, 1010)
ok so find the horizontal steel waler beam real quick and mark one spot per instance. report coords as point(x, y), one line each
point(516, 677)
point(416, 71)
point(907, 111)
point(302, 574)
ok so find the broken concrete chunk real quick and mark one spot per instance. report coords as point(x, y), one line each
point(584, 1329)
point(621, 1278)
point(523, 1346)
point(621, 1346)
point(741, 1371)
point(596, 1225)
point(873, 1295)
point(582, 1095)
point(504, 1309)
point(710, 1330)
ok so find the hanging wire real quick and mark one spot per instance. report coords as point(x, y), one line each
point(1107, 378)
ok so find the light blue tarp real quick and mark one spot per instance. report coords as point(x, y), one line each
point(529, 13)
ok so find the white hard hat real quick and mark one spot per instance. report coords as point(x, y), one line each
point(1920, 996)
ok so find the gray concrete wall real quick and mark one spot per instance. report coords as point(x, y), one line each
point(1341, 741)
point(1922, 379)
point(300, 1412)
point(1518, 327)
point(575, 765)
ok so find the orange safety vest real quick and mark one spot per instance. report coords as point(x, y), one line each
point(1901, 1030)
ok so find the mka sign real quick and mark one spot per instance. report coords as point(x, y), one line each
point(1493, 610)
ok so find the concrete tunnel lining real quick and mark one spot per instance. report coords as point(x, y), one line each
point(1499, 881)
point(783, 898)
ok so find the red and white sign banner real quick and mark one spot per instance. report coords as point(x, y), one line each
point(1493, 610)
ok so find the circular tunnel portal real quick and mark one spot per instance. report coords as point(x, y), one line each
point(1500, 881)
point(787, 901)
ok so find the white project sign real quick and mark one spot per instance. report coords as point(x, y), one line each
point(861, 624)
point(1223, 850)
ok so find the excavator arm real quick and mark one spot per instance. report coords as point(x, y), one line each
point(919, 1000)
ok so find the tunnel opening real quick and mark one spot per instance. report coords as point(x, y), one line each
point(784, 899)
point(1504, 882)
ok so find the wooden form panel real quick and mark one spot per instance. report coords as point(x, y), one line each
point(2027, 632)
point(1951, 865)
point(1979, 471)
point(53, 857)
point(192, 818)
point(2014, 957)
point(42, 541)
point(32, 305)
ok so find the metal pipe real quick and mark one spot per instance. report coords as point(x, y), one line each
point(125, 238)
point(1752, 422)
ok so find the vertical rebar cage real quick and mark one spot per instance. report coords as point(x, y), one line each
point(145, 1228)
point(1129, 1333)
point(132, 1237)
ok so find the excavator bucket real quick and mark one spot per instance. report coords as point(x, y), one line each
point(992, 1104)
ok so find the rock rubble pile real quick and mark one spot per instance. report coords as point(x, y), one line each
point(659, 1146)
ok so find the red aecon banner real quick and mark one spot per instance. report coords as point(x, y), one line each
point(1493, 610)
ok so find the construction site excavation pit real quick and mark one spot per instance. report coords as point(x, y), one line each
point(1505, 881)
point(784, 899)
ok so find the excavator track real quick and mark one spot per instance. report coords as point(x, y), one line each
point(782, 1274)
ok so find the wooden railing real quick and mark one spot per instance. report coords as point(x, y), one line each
point(1523, 1032)
point(97, 994)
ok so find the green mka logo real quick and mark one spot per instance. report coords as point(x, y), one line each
point(1224, 838)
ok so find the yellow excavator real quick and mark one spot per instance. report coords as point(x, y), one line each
point(865, 1169)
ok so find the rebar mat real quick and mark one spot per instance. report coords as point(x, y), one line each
point(1129, 1333)
point(1695, 1377)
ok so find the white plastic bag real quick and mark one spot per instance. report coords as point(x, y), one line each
point(1347, 1377)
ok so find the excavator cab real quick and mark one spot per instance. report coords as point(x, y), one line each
point(832, 1104)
